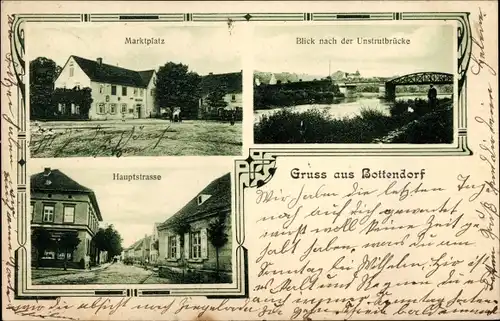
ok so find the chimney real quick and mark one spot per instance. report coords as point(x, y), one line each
point(46, 171)
point(99, 61)
point(210, 73)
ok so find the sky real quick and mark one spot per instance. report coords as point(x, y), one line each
point(432, 49)
point(134, 207)
point(203, 48)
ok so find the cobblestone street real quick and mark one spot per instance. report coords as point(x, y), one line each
point(117, 273)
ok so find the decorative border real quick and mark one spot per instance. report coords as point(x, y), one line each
point(254, 171)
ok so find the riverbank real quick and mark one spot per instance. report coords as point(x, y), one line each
point(423, 125)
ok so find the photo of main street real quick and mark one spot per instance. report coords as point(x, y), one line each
point(367, 84)
point(180, 96)
point(90, 227)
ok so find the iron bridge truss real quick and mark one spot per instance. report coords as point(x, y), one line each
point(422, 78)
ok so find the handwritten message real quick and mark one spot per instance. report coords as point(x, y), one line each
point(391, 248)
point(9, 151)
point(98, 140)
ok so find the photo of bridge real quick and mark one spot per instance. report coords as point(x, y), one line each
point(356, 93)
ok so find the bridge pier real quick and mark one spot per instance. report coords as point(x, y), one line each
point(390, 91)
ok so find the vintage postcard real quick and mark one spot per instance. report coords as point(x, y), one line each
point(250, 160)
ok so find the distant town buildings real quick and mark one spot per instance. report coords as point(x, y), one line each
point(144, 250)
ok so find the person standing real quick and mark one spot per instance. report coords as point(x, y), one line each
point(432, 96)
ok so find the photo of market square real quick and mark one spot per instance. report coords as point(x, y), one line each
point(180, 94)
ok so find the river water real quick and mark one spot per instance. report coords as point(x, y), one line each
point(346, 107)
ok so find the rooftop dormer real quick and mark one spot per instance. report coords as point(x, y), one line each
point(202, 198)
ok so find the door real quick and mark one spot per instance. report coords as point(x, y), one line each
point(138, 110)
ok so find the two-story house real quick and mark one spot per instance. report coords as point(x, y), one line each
point(197, 251)
point(117, 93)
point(61, 205)
point(230, 84)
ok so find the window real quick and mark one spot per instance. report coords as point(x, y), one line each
point(141, 92)
point(131, 110)
point(112, 108)
point(48, 213)
point(135, 92)
point(172, 241)
point(196, 245)
point(101, 108)
point(69, 214)
point(124, 108)
point(233, 97)
point(60, 256)
point(71, 69)
point(113, 90)
point(124, 91)
point(32, 211)
point(49, 255)
point(101, 89)
point(152, 92)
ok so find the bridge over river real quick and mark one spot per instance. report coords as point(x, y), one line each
point(388, 88)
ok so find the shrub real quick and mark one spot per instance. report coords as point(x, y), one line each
point(434, 128)
point(319, 127)
point(399, 108)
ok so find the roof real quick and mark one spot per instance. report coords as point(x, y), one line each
point(112, 74)
point(60, 182)
point(136, 244)
point(147, 241)
point(231, 83)
point(220, 199)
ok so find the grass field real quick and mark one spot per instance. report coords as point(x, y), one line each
point(150, 137)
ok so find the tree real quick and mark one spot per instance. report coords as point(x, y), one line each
point(215, 97)
point(41, 240)
point(176, 86)
point(79, 97)
point(109, 240)
point(43, 73)
point(181, 227)
point(99, 241)
point(217, 236)
point(113, 242)
point(68, 243)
